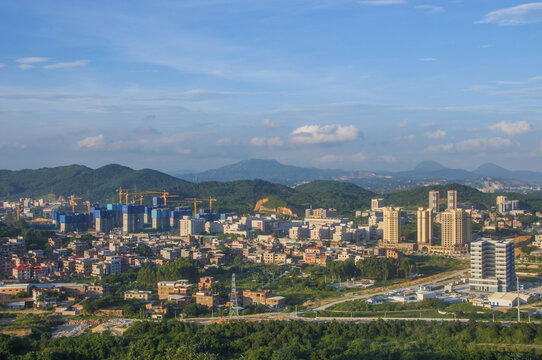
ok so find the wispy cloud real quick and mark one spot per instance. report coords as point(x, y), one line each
point(437, 134)
point(430, 9)
point(512, 128)
point(92, 142)
point(517, 15)
point(316, 134)
point(32, 60)
point(388, 158)
point(67, 64)
point(25, 66)
point(269, 124)
point(472, 145)
point(275, 141)
point(519, 82)
point(383, 2)
point(428, 59)
point(406, 138)
point(2, 65)
point(147, 130)
point(356, 158)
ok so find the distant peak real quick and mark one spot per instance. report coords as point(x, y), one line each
point(489, 166)
point(429, 165)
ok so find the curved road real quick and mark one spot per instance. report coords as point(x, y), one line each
point(359, 297)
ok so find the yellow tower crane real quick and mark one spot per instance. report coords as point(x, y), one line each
point(88, 212)
point(196, 201)
point(73, 203)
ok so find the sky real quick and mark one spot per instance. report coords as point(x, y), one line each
point(192, 85)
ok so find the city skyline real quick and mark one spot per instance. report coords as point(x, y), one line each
point(380, 84)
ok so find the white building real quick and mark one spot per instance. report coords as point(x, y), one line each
point(492, 266)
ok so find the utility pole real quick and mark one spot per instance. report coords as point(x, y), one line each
point(234, 307)
point(519, 313)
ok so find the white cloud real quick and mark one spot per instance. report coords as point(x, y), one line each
point(92, 142)
point(407, 138)
point(256, 141)
point(383, 2)
point(517, 15)
point(275, 141)
point(269, 124)
point(473, 145)
point(224, 142)
point(357, 158)
point(67, 64)
point(388, 158)
point(511, 128)
point(437, 134)
point(430, 9)
point(402, 124)
point(2, 65)
point(428, 59)
point(316, 134)
point(25, 66)
point(495, 143)
point(32, 60)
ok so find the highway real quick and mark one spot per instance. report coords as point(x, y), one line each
point(367, 296)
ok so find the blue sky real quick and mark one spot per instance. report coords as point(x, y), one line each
point(170, 85)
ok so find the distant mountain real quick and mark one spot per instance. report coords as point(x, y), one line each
point(89, 184)
point(268, 170)
point(493, 170)
point(433, 170)
point(426, 173)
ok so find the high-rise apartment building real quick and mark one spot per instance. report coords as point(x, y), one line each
point(392, 224)
point(377, 204)
point(434, 198)
point(492, 266)
point(425, 226)
point(191, 227)
point(452, 199)
point(132, 218)
point(456, 227)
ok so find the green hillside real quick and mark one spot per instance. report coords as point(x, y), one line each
point(237, 196)
point(343, 196)
point(417, 197)
point(95, 185)
point(100, 185)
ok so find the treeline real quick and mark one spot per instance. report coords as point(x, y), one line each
point(375, 268)
point(276, 340)
point(182, 268)
point(35, 239)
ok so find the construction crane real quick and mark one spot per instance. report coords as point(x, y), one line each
point(196, 201)
point(211, 200)
point(163, 194)
point(88, 212)
point(121, 192)
point(73, 202)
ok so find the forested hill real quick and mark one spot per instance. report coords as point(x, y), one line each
point(419, 197)
point(100, 185)
point(90, 184)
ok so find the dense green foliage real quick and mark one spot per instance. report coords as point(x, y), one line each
point(95, 185)
point(343, 196)
point(289, 340)
point(180, 269)
point(239, 196)
point(8, 230)
point(34, 239)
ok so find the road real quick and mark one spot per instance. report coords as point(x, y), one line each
point(366, 296)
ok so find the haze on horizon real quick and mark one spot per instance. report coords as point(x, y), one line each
point(170, 85)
